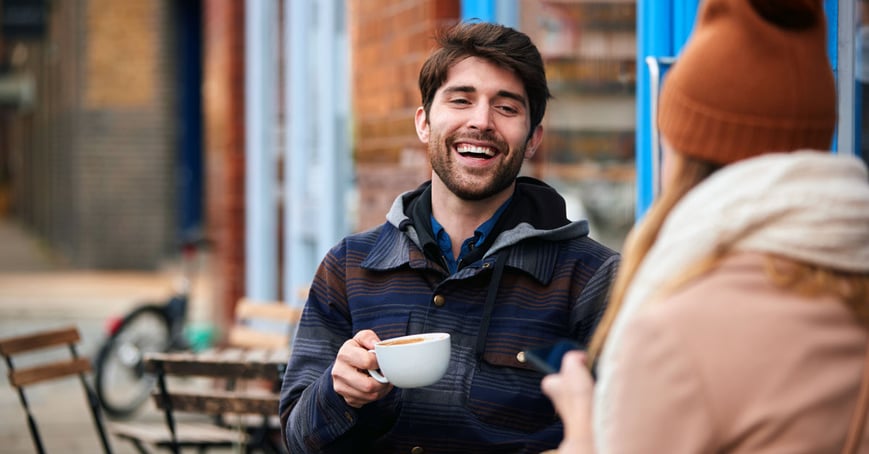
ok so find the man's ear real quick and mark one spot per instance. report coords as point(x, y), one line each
point(534, 142)
point(422, 126)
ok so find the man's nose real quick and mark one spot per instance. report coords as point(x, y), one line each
point(481, 117)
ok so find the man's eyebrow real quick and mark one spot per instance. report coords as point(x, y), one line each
point(501, 93)
point(514, 96)
point(460, 89)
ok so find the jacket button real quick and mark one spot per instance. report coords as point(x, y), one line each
point(520, 357)
point(417, 450)
point(439, 300)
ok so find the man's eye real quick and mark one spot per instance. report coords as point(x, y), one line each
point(460, 101)
point(508, 110)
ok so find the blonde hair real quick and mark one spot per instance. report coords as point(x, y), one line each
point(806, 279)
point(812, 280)
point(688, 172)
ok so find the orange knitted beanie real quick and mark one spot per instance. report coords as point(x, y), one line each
point(753, 78)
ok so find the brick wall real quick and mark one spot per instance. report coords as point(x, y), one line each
point(127, 139)
point(95, 173)
point(389, 40)
point(223, 97)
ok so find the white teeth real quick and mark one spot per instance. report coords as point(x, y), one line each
point(471, 149)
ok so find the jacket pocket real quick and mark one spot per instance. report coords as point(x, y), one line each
point(386, 325)
point(506, 393)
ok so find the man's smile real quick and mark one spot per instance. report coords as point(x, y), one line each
point(475, 151)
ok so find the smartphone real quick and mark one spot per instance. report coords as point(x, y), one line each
point(547, 359)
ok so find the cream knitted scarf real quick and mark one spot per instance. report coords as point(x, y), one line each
point(808, 206)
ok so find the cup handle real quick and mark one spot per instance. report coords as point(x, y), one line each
point(377, 375)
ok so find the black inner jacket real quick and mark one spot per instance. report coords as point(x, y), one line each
point(534, 202)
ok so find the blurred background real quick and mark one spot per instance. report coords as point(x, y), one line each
point(275, 127)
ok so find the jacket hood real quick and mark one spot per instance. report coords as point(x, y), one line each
point(536, 211)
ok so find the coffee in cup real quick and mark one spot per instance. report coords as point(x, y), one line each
point(412, 361)
point(402, 341)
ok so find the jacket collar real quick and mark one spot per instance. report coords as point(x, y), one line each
point(395, 249)
point(537, 213)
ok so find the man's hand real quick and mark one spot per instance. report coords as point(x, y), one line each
point(350, 377)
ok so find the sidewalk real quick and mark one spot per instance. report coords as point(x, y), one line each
point(37, 292)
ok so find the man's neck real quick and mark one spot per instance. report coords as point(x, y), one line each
point(459, 217)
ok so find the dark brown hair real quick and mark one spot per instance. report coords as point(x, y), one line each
point(501, 45)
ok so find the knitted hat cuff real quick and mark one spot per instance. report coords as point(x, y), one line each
point(717, 137)
point(753, 78)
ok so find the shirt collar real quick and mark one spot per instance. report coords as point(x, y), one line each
point(444, 241)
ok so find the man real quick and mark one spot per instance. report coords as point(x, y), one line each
point(476, 252)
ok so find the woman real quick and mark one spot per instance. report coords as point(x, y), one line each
point(738, 321)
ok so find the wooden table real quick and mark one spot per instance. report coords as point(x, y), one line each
point(248, 384)
point(241, 363)
point(233, 365)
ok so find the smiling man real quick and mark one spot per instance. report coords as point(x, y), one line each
point(478, 252)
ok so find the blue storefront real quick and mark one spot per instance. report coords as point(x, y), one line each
point(663, 26)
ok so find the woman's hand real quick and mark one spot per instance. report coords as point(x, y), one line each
point(571, 393)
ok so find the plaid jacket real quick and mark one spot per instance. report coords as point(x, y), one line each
point(554, 285)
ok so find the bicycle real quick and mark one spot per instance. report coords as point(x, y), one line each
point(120, 380)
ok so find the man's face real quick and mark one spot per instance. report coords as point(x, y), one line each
point(477, 129)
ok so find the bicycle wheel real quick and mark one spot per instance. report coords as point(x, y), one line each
point(121, 382)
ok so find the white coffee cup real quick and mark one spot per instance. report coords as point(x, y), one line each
point(412, 361)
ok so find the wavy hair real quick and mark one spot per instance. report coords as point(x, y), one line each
point(501, 45)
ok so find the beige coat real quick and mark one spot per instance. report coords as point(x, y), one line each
point(731, 363)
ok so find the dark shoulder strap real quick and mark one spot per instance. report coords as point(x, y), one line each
point(494, 283)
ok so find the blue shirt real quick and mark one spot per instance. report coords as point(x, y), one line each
point(445, 243)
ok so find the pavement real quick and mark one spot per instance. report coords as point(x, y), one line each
point(38, 291)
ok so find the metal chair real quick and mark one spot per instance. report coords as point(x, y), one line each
point(24, 377)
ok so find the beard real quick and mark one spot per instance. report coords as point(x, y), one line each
point(474, 184)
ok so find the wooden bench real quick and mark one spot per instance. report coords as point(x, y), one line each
point(242, 390)
point(21, 378)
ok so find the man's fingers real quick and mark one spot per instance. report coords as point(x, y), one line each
point(366, 339)
point(355, 386)
point(350, 378)
point(357, 356)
